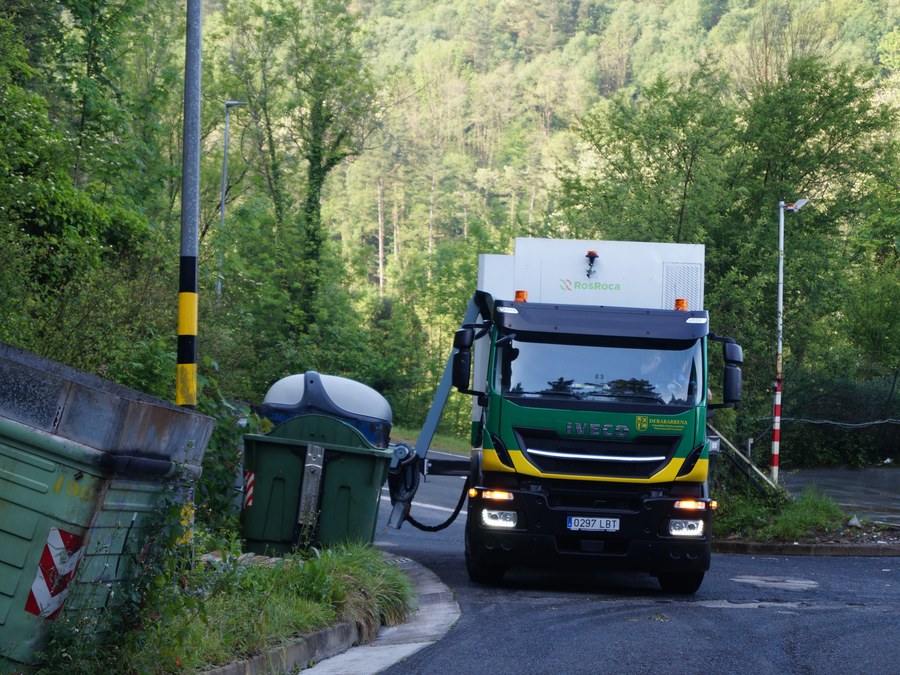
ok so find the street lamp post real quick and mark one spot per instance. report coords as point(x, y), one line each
point(776, 422)
point(228, 106)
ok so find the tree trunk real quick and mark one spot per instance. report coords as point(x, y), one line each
point(380, 188)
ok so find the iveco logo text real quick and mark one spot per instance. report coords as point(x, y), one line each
point(569, 285)
point(607, 430)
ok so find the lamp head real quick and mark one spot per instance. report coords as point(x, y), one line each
point(797, 205)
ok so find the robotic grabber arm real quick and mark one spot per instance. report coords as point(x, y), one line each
point(409, 463)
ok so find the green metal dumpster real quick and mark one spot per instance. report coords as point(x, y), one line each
point(83, 463)
point(316, 480)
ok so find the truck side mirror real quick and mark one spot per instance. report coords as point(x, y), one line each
point(731, 385)
point(462, 358)
point(733, 353)
point(732, 375)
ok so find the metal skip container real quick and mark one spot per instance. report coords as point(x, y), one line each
point(84, 463)
point(316, 478)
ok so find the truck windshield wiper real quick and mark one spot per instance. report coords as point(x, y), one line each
point(639, 397)
point(599, 393)
point(546, 392)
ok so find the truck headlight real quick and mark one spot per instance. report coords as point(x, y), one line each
point(492, 518)
point(679, 527)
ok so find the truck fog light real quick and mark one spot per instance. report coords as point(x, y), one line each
point(686, 528)
point(492, 518)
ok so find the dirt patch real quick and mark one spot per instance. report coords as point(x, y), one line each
point(866, 533)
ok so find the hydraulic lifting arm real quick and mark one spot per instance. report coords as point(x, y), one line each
point(408, 462)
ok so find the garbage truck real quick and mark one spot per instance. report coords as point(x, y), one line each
point(587, 363)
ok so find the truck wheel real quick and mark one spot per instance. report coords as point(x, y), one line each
point(482, 572)
point(684, 583)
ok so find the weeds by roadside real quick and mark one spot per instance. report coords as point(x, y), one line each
point(775, 516)
point(222, 610)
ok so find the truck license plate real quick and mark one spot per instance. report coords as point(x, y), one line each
point(592, 524)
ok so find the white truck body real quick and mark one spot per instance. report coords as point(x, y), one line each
point(624, 273)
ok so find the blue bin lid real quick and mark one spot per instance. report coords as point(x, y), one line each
point(346, 399)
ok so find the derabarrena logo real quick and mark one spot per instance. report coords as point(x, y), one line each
point(571, 286)
point(645, 422)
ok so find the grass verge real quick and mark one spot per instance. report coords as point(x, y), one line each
point(775, 516)
point(456, 444)
point(217, 612)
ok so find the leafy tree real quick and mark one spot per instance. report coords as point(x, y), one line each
point(663, 162)
point(778, 33)
point(148, 149)
point(889, 50)
point(615, 55)
point(537, 27)
point(814, 133)
point(63, 245)
point(711, 11)
point(312, 98)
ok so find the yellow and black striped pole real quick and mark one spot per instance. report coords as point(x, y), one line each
point(186, 376)
point(186, 389)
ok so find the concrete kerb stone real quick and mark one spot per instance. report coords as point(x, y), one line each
point(296, 654)
point(436, 613)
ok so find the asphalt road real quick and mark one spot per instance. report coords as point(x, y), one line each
point(753, 614)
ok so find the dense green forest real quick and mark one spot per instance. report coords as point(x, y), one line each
point(382, 144)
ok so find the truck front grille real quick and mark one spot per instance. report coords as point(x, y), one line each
point(640, 458)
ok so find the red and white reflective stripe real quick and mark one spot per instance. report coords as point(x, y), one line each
point(56, 569)
point(249, 479)
point(776, 425)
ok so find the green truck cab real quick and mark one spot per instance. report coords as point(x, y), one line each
point(591, 447)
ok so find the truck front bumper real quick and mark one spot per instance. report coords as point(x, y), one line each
point(541, 537)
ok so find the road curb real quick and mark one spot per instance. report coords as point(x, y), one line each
point(295, 654)
point(436, 613)
point(835, 550)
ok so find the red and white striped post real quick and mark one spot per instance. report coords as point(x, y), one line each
point(776, 417)
point(776, 429)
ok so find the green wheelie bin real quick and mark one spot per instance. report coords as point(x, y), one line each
point(316, 478)
point(316, 481)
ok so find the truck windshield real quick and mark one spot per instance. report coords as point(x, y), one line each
point(663, 373)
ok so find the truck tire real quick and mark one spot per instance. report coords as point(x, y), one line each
point(681, 583)
point(481, 572)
